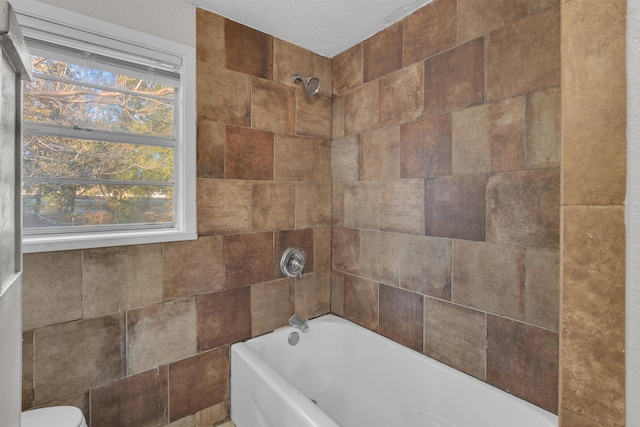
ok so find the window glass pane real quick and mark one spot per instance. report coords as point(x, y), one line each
point(57, 157)
point(51, 205)
point(146, 108)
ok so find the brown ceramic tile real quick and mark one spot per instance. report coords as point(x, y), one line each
point(99, 360)
point(361, 301)
point(337, 293)
point(272, 304)
point(593, 313)
point(323, 70)
point(515, 65)
point(273, 106)
point(477, 18)
point(337, 117)
point(192, 267)
point(301, 239)
point(313, 294)
point(120, 278)
point(523, 359)
point(361, 201)
point(294, 158)
point(211, 149)
point(455, 335)
point(224, 206)
point(159, 334)
point(489, 137)
point(214, 415)
point(313, 205)
point(322, 161)
point(380, 158)
point(402, 95)
point(138, 400)
point(382, 53)
point(571, 419)
point(347, 70)
point(79, 400)
point(543, 288)
point(455, 207)
point(289, 59)
point(198, 382)
point(401, 316)
point(362, 108)
point(223, 317)
point(337, 204)
point(523, 208)
point(345, 250)
point(539, 5)
point(27, 370)
point(425, 147)
point(273, 206)
point(489, 277)
point(248, 51)
point(430, 30)
point(52, 288)
point(345, 159)
point(249, 154)
point(593, 103)
point(402, 206)
point(454, 79)
point(425, 265)
point(322, 248)
point(379, 256)
point(189, 421)
point(543, 129)
point(313, 115)
point(232, 101)
point(248, 258)
point(210, 38)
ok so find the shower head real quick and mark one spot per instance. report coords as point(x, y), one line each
point(311, 84)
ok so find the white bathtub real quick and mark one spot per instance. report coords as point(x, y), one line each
point(361, 379)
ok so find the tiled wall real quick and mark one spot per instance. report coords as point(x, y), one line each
point(594, 92)
point(140, 335)
point(446, 188)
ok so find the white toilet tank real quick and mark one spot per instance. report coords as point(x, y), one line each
point(57, 416)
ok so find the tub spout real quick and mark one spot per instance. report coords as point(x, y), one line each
point(297, 322)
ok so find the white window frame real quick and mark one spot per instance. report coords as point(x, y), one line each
point(185, 224)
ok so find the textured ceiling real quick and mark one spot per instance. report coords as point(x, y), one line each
point(327, 27)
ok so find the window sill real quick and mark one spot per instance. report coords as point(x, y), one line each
point(66, 242)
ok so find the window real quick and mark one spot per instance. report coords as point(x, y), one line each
point(108, 135)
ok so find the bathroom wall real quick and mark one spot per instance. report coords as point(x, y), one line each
point(592, 374)
point(140, 335)
point(446, 189)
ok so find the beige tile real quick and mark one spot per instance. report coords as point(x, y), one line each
point(294, 158)
point(224, 206)
point(425, 147)
point(313, 115)
point(189, 421)
point(51, 289)
point(248, 51)
point(401, 316)
point(539, 5)
point(120, 278)
point(273, 106)
point(273, 206)
point(232, 101)
point(382, 52)
point(345, 250)
point(337, 117)
point(455, 335)
point(313, 205)
point(523, 208)
point(248, 258)
point(323, 69)
point(337, 203)
point(322, 248)
point(489, 278)
point(479, 17)
point(380, 256)
point(593, 103)
point(192, 267)
point(362, 108)
point(214, 415)
point(211, 149)
point(593, 313)
point(380, 158)
point(515, 65)
point(210, 38)
point(313, 294)
point(361, 301)
point(571, 419)
point(430, 30)
point(337, 293)
point(160, 334)
point(249, 154)
point(322, 161)
point(543, 129)
point(345, 159)
point(402, 95)
point(402, 206)
point(272, 304)
point(361, 201)
point(223, 317)
point(99, 360)
point(27, 370)
point(543, 288)
point(347, 70)
point(290, 59)
point(425, 265)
